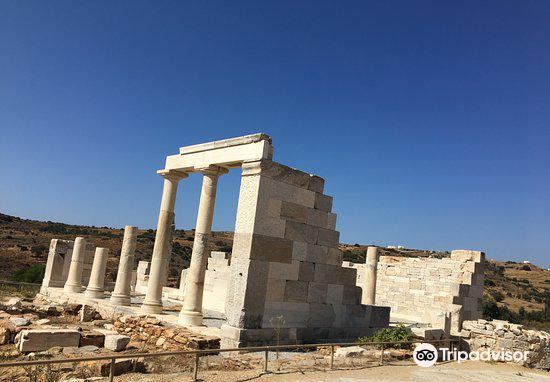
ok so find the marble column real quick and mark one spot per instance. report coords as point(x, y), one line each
point(369, 289)
point(191, 312)
point(97, 276)
point(74, 278)
point(121, 293)
point(163, 242)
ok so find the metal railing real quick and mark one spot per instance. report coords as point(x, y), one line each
point(199, 353)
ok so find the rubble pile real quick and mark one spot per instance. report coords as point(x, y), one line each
point(496, 335)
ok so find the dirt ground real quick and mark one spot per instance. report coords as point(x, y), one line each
point(448, 372)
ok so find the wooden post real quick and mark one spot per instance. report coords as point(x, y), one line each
point(331, 357)
point(266, 360)
point(382, 355)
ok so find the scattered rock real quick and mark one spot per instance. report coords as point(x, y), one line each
point(116, 342)
point(87, 313)
point(20, 321)
point(481, 334)
point(31, 340)
point(121, 366)
point(351, 351)
point(92, 338)
point(160, 342)
point(5, 335)
point(72, 309)
point(43, 321)
point(14, 303)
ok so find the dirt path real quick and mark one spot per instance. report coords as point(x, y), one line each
point(449, 372)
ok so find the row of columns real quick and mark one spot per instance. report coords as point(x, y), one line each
point(191, 313)
point(96, 283)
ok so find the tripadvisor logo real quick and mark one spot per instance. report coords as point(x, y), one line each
point(425, 355)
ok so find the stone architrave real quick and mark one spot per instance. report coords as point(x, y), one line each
point(95, 287)
point(122, 291)
point(74, 279)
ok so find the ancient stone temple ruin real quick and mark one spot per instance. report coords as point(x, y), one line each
point(284, 280)
point(286, 273)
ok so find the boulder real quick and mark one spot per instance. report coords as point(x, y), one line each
point(14, 303)
point(121, 366)
point(94, 338)
point(88, 314)
point(116, 342)
point(31, 340)
point(20, 321)
point(5, 335)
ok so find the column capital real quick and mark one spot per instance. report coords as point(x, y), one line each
point(174, 175)
point(212, 170)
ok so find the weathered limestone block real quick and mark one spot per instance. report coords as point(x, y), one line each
point(116, 342)
point(43, 339)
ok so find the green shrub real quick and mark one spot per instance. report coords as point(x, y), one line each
point(33, 274)
point(393, 334)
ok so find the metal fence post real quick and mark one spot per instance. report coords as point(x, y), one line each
point(266, 359)
point(112, 370)
point(382, 354)
point(331, 357)
point(196, 369)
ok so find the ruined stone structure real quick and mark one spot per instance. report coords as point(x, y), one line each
point(284, 281)
point(423, 289)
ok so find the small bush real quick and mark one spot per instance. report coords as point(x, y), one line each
point(498, 296)
point(225, 248)
point(394, 334)
point(39, 249)
point(33, 274)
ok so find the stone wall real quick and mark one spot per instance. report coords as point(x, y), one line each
point(424, 289)
point(287, 278)
point(497, 335)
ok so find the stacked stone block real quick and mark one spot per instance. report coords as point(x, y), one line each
point(216, 281)
point(424, 289)
point(142, 276)
point(286, 271)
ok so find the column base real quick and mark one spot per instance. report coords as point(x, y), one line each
point(73, 288)
point(94, 293)
point(120, 299)
point(151, 308)
point(190, 318)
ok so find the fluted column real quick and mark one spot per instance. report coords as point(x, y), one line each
point(191, 312)
point(121, 293)
point(97, 276)
point(369, 290)
point(163, 242)
point(74, 278)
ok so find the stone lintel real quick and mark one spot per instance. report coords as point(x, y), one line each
point(237, 141)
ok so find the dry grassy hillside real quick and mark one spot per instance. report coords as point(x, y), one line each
point(24, 243)
point(520, 288)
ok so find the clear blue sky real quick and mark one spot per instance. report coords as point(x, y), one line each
point(430, 121)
